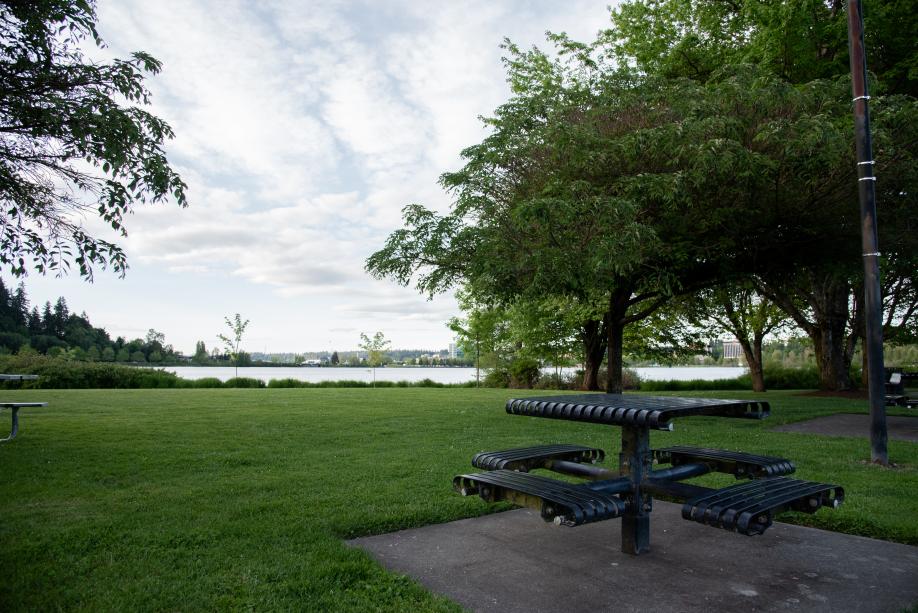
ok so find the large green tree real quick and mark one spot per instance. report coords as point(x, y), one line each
point(537, 214)
point(805, 44)
point(595, 186)
point(74, 139)
point(628, 188)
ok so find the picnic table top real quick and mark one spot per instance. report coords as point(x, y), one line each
point(633, 410)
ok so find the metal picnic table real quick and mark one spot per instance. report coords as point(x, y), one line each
point(15, 406)
point(896, 394)
point(747, 508)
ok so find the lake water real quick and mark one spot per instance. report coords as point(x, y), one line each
point(440, 375)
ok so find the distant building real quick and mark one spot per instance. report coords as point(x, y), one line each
point(454, 351)
point(733, 350)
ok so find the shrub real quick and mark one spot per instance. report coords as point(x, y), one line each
point(695, 385)
point(497, 377)
point(778, 378)
point(285, 383)
point(346, 383)
point(426, 382)
point(524, 372)
point(631, 380)
point(61, 373)
point(206, 382)
point(245, 382)
point(12, 341)
point(43, 342)
point(560, 381)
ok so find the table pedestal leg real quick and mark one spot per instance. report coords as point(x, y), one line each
point(15, 427)
point(634, 463)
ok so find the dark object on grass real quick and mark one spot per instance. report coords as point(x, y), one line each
point(747, 508)
point(895, 389)
point(15, 406)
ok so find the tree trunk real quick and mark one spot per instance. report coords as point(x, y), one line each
point(753, 354)
point(830, 341)
point(618, 308)
point(858, 331)
point(830, 360)
point(827, 297)
point(594, 346)
point(614, 378)
point(758, 379)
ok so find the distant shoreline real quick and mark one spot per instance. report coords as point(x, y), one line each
point(413, 373)
point(282, 365)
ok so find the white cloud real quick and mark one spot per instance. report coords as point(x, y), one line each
point(303, 131)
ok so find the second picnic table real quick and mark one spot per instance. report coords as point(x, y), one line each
point(15, 406)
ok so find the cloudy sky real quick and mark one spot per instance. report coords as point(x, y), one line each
point(302, 129)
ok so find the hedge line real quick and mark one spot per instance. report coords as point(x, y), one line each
point(60, 373)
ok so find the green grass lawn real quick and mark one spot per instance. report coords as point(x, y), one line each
point(239, 499)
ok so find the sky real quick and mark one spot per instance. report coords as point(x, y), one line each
point(302, 130)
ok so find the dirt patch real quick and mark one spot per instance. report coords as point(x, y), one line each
point(855, 425)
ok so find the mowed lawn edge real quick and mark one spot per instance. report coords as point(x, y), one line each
point(230, 499)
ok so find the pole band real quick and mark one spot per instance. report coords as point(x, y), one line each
point(860, 98)
point(876, 253)
point(867, 179)
point(867, 162)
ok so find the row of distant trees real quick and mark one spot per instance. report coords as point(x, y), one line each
point(56, 331)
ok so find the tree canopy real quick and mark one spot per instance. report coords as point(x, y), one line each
point(55, 330)
point(693, 145)
point(798, 41)
point(805, 43)
point(623, 189)
point(74, 140)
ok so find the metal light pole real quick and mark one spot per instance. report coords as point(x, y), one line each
point(873, 312)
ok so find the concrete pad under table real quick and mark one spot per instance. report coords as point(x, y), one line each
point(855, 425)
point(514, 561)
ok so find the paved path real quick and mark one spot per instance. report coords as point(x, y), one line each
point(514, 562)
point(855, 425)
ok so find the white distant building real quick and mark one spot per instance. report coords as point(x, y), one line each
point(453, 351)
point(733, 350)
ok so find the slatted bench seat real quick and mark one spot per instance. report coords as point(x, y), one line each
point(563, 503)
point(742, 465)
point(747, 508)
point(529, 458)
